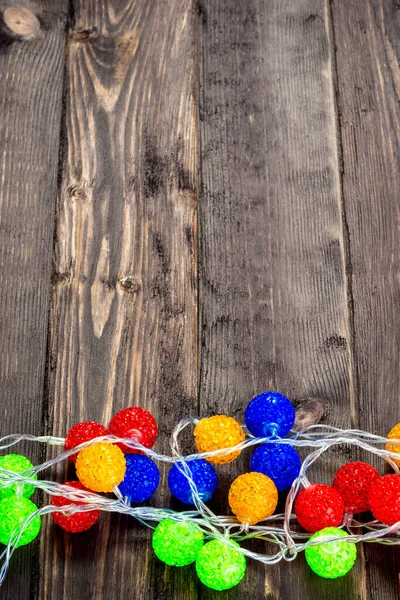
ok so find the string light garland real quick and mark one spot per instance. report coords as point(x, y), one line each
point(319, 506)
point(279, 462)
point(177, 543)
point(79, 521)
point(17, 464)
point(333, 559)
point(120, 459)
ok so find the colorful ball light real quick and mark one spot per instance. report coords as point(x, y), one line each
point(135, 423)
point(319, 506)
point(280, 462)
point(214, 433)
point(177, 543)
point(141, 478)
point(13, 512)
point(384, 499)
point(219, 566)
point(269, 414)
point(353, 481)
point(83, 432)
point(101, 467)
point(204, 476)
point(331, 559)
point(252, 497)
point(394, 433)
point(18, 464)
point(78, 521)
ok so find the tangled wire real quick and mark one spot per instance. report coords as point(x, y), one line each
point(277, 529)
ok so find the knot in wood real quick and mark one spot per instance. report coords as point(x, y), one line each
point(77, 192)
point(22, 22)
point(308, 412)
point(130, 284)
point(82, 35)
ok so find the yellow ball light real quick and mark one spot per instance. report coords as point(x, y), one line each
point(101, 467)
point(214, 433)
point(253, 497)
point(394, 433)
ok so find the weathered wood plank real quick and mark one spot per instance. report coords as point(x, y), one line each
point(368, 78)
point(273, 297)
point(31, 74)
point(124, 304)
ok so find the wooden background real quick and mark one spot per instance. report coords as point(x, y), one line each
point(199, 201)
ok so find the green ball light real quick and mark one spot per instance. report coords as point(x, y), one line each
point(219, 566)
point(18, 464)
point(332, 559)
point(177, 543)
point(13, 512)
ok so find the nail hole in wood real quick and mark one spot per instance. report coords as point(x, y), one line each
point(130, 284)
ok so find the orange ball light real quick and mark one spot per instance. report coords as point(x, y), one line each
point(101, 467)
point(214, 433)
point(253, 497)
point(394, 433)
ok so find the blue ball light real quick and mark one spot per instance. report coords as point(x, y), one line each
point(269, 414)
point(203, 475)
point(280, 462)
point(141, 478)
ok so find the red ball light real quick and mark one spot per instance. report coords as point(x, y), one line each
point(319, 506)
point(135, 423)
point(384, 499)
point(79, 521)
point(83, 432)
point(353, 481)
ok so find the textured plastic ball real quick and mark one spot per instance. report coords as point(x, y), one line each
point(78, 521)
point(13, 512)
point(177, 543)
point(18, 464)
point(280, 462)
point(141, 478)
point(384, 499)
point(204, 476)
point(331, 559)
point(394, 433)
point(101, 467)
point(269, 414)
point(219, 566)
point(83, 432)
point(353, 481)
point(214, 433)
point(137, 424)
point(252, 497)
point(319, 506)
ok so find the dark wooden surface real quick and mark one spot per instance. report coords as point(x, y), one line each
point(199, 201)
point(31, 84)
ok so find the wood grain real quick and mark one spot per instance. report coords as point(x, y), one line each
point(273, 290)
point(31, 76)
point(368, 100)
point(124, 305)
point(227, 221)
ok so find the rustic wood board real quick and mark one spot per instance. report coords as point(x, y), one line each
point(32, 40)
point(273, 290)
point(368, 102)
point(124, 306)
